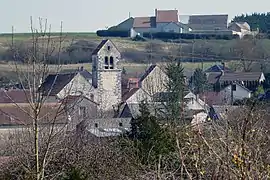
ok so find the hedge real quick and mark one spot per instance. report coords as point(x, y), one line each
point(167, 35)
point(110, 33)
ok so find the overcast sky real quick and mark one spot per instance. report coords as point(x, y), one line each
point(90, 15)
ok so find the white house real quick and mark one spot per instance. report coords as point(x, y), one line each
point(235, 91)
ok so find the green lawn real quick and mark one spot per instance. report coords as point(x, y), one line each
point(26, 36)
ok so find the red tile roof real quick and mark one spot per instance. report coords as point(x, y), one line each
point(14, 96)
point(20, 113)
point(144, 22)
point(163, 16)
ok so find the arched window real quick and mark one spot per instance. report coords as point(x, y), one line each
point(106, 63)
point(111, 62)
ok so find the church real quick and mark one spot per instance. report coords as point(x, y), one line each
point(103, 86)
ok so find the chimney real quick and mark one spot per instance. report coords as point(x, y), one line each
point(81, 69)
point(156, 12)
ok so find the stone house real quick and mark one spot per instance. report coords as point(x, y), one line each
point(154, 80)
point(79, 108)
point(58, 86)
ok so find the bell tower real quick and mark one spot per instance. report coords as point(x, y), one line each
point(106, 75)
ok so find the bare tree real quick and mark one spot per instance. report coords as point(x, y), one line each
point(36, 142)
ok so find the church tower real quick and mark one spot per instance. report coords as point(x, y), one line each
point(106, 75)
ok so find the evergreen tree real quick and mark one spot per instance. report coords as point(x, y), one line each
point(175, 87)
point(198, 82)
point(150, 138)
point(255, 20)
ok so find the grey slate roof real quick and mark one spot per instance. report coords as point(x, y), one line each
point(218, 68)
point(101, 44)
point(128, 94)
point(233, 76)
point(86, 74)
point(241, 76)
point(147, 72)
point(213, 77)
point(208, 22)
point(54, 83)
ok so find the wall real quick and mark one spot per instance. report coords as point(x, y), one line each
point(155, 82)
point(139, 96)
point(142, 30)
point(173, 27)
point(75, 114)
point(125, 25)
point(77, 86)
point(239, 94)
point(108, 81)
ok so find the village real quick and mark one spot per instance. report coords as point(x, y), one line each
point(99, 121)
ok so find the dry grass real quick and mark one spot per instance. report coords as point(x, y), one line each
point(129, 67)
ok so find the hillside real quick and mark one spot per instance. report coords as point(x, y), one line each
point(77, 47)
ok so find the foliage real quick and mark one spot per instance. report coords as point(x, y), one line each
point(198, 81)
point(75, 174)
point(255, 20)
point(171, 35)
point(150, 138)
point(175, 86)
point(259, 91)
point(111, 33)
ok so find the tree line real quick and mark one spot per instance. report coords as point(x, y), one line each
point(256, 20)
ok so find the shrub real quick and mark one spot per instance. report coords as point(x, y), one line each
point(110, 33)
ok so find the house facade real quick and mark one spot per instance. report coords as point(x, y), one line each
point(234, 92)
point(154, 80)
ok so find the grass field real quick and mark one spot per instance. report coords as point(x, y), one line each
point(132, 68)
point(25, 36)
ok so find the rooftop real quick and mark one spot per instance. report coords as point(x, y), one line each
point(163, 16)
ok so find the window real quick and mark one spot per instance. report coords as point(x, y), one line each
point(106, 66)
point(109, 48)
point(83, 111)
point(120, 124)
point(111, 62)
point(96, 125)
